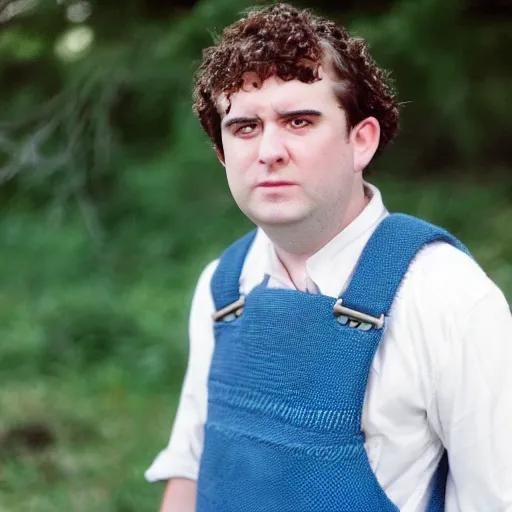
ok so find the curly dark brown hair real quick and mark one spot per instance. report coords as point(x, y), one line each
point(291, 44)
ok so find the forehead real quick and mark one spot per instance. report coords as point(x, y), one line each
point(275, 94)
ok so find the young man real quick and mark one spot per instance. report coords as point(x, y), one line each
point(356, 360)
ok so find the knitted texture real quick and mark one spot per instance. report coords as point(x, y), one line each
point(287, 384)
point(387, 255)
point(225, 284)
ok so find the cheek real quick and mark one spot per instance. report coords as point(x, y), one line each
point(238, 155)
point(237, 167)
point(325, 155)
point(233, 177)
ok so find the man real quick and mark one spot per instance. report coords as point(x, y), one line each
point(356, 360)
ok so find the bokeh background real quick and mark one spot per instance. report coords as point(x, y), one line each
point(112, 201)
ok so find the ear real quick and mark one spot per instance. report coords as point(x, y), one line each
point(365, 137)
point(220, 156)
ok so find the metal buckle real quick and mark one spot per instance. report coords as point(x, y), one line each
point(356, 319)
point(230, 312)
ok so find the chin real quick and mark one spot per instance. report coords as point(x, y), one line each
point(276, 213)
point(273, 222)
point(276, 218)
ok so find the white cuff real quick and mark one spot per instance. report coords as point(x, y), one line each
point(171, 465)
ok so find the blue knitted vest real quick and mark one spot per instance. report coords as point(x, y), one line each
point(287, 383)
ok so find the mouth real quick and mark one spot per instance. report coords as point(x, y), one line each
point(274, 184)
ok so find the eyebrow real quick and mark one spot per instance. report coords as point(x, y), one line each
point(240, 120)
point(298, 113)
point(284, 115)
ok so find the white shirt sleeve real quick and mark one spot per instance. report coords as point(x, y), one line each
point(180, 459)
point(472, 408)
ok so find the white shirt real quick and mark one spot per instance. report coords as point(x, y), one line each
point(440, 377)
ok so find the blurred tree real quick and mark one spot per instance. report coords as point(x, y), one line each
point(112, 200)
point(489, 9)
point(68, 125)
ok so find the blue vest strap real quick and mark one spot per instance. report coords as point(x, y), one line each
point(385, 260)
point(225, 283)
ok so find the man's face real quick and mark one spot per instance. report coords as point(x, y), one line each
point(288, 155)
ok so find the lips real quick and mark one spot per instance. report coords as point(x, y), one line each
point(280, 183)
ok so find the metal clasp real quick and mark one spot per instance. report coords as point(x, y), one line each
point(356, 319)
point(230, 312)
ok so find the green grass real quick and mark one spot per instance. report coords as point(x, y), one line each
point(105, 433)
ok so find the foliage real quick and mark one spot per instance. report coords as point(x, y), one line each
point(450, 71)
point(112, 202)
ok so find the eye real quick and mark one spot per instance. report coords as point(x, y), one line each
point(246, 129)
point(299, 123)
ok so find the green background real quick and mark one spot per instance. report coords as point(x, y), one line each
point(112, 202)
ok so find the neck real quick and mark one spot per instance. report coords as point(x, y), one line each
point(295, 244)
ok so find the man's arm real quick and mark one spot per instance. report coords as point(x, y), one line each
point(178, 464)
point(473, 408)
point(179, 496)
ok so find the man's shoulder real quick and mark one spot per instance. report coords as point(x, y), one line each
point(443, 276)
point(203, 285)
point(442, 260)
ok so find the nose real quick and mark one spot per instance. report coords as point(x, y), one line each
point(272, 149)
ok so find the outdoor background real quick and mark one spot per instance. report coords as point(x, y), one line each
point(112, 202)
